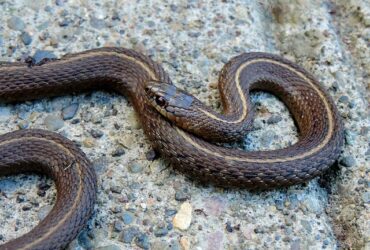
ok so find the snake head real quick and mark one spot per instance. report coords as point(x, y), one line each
point(169, 100)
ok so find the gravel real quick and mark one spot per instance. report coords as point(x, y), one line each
point(140, 197)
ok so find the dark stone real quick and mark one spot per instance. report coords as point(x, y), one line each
point(27, 207)
point(348, 161)
point(128, 234)
point(118, 226)
point(84, 240)
point(96, 133)
point(229, 228)
point(118, 151)
point(26, 38)
point(116, 189)
point(160, 232)
point(42, 55)
point(21, 198)
point(181, 195)
point(151, 155)
point(274, 119)
point(127, 218)
point(142, 241)
point(70, 111)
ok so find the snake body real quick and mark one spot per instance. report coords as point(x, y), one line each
point(128, 72)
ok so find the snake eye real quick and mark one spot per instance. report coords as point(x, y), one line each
point(159, 100)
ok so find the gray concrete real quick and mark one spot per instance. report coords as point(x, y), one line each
point(138, 198)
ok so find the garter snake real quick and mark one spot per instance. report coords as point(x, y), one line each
point(163, 109)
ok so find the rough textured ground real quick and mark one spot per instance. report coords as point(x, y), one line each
point(138, 198)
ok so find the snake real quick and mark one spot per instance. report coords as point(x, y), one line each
point(180, 127)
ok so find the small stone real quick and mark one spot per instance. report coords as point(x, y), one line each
point(133, 120)
point(185, 243)
point(88, 143)
point(96, 133)
point(26, 38)
point(53, 122)
point(129, 234)
point(23, 124)
point(44, 211)
point(16, 23)
point(313, 205)
point(118, 151)
point(41, 55)
point(142, 241)
point(128, 217)
point(70, 111)
point(160, 232)
point(21, 198)
point(100, 164)
point(4, 113)
point(170, 212)
point(135, 167)
point(84, 240)
point(64, 23)
point(274, 119)
point(151, 155)
point(181, 195)
point(118, 226)
point(348, 161)
point(229, 228)
point(97, 23)
point(366, 197)
point(183, 217)
point(116, 189)
point(343, 99)
point(60, 2)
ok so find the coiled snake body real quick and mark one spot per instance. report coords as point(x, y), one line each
point(129, 72)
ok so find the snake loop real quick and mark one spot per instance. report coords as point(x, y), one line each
point(162, 108)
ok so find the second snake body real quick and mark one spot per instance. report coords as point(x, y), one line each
point(129, 72)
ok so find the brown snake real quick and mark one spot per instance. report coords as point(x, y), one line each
point(129, 72)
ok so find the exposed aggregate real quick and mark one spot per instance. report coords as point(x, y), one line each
point(140, 197)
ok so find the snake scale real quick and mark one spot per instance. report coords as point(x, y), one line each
point(161, 107)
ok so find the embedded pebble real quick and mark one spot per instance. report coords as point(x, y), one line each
point(135, 167)
point(128, 234)
point(348, 161)
point(70, 111)
point(183, 217)
point(274, 119)
point(16, 23)
point(96, 133)
point(147, 196)
point(181, 195)
point(118, 152)
point(4, 113)
point(53, 122)
point(128, 217)
point(41, 55)
point(185, 243)
point(26, 38)
point(142, 241)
